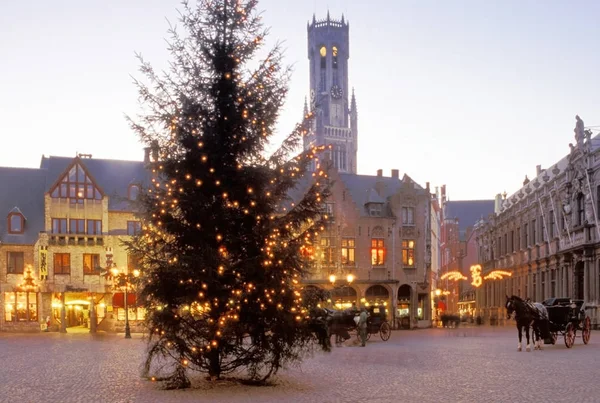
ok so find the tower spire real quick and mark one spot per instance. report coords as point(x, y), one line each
point(353, 102)
point(328, 18)
point(305, 108)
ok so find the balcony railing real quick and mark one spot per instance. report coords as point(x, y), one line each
point(76, 240)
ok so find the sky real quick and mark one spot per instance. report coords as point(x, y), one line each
point(471, 94)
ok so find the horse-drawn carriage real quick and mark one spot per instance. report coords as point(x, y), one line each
point(566, 317)
point(344, 322)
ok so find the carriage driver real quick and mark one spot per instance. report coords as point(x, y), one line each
point(362, 326)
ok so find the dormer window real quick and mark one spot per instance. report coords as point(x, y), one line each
point(16, 223)
point(133, 192)
point(375, 209)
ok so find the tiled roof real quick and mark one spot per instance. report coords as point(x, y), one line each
point(468, 212)
point(362, 188)
point(112, 176)
point(22, 190)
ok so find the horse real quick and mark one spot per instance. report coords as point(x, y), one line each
point(340, 323)
point(528, 314)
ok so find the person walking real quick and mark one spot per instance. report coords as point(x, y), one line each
point(362, 326)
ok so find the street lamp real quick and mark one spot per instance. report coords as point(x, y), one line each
point(127, 277)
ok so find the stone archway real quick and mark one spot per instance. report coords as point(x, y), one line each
point(377, 295)
point(343, 297)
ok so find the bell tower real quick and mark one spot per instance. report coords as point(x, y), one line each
point(336, 118)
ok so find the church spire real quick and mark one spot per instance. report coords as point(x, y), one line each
point(305, 108)
point(353, 102)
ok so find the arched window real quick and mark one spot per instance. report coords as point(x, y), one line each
point(580, 209)
point(334, 57)
point(16, 223)
point(133, 192)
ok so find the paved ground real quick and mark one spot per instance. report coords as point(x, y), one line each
point(434, 365)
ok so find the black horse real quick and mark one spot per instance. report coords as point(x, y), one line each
point(528, 314)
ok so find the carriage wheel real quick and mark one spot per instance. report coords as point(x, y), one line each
point(368, 335)
point(385, 331)
point(569, 336)
point(587, 330)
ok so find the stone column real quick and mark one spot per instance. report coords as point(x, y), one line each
point(394, 306)
point(63, 314)
point(586, 279)
point(564, 291)
point(93, 318)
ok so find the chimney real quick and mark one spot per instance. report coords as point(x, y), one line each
point(395, 174)
point(443, 194)
point(538, 170)
point(155, 149)
point(147, 155)
point(427, 186)
point(379, 173)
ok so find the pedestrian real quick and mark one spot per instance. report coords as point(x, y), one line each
point(362, 326)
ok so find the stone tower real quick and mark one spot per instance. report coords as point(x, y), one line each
point(336, 115)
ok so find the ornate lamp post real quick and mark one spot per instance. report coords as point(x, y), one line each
point(125, 279)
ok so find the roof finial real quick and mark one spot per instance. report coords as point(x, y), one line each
point(353, 102)
point(342, 18)
point(328, 18)
point(314, 18)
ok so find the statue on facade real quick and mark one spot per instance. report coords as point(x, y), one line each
point(579, 130)
point(589, 209)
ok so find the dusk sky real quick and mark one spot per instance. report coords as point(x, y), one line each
point(471, 94)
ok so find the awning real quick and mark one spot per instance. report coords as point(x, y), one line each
point(119, 298)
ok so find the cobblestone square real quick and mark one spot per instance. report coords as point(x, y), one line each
point(433, 365)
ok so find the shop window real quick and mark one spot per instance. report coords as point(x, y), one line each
point(20, 307)
point(15, 262)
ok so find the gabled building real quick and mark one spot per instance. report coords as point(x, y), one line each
point(62, 228)
point(379, 236)
point(459, 250)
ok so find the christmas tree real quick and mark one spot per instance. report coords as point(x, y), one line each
point(221, 246)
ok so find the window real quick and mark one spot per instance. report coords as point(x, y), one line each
point(62, 263)
point(377, 252)
point(94, 227)
point(323, 53)
point(15, 262)
point(552, 283)
point(77, 186)
point(526, 235)
point(59, 225)
point(20, 307)
point(375, 209)
point(408, 216)
point(512, 241)
point(533, 232)
point(334, 54)
point(505, 246)
point(133, 192)
point(327, 251)
point(16, 223)
point(133, 263)
point(552, 225)
point(519, 246)
point(408, 253)
point(580, 209)
point(91, 261)
point(76, 226)
point(542, 229)
point(348, 249)
point(133, 227)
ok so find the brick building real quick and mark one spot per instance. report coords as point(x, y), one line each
point(459, 250)
point(63, 224)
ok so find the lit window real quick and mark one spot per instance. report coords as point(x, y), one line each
point(327, 251)
point(408, 253)
point(377, 252)
point(91, 261)
point(76, 185)
point(20, 307)
point(348, 250)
